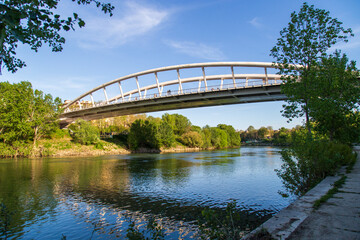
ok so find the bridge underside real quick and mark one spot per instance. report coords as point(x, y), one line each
point(181, 101)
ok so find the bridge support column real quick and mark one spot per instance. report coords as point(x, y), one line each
point(106, 97)
point(121, 91)
point(137, 84)
point(92, 100)
point(266, 77)
point(233, 76)
point(157, 83)
point(204, 76)
point(179, 79)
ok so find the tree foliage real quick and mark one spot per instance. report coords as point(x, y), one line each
point(309, 161)
point(26, 114)
point(218, 138)
point(143, 134)
point(84, 132)
point(179, 123)
point(34, 23)
point(233, 138)
point(335, 102)
point(192, 139)
point(166, 135)
point(309, 34)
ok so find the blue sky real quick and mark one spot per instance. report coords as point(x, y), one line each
point(149, 34)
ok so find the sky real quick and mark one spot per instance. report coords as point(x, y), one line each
point(144, 35)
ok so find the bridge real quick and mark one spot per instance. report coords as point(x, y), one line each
point(178, 87)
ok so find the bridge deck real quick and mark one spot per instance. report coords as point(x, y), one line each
point(212, 97)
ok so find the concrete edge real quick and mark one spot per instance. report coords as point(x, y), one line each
point(281, 225)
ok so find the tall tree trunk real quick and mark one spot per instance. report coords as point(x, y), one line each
point(2, 40)
point(308, 126)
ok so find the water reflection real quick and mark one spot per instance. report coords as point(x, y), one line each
point(51, 197)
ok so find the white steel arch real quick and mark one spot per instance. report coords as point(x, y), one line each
point(225, 71)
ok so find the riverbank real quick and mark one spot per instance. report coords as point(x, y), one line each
point(265, 144)
point(337, 218)
point(65, 147)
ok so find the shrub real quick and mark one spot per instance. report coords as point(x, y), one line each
point(84, 133)
point(16, 149)
point(219, 138)
point(99, 145)
point(217, 225)
point(59, 133)
point(192, 139)
point(166, 135)
point(143, 134)
point(309, 161)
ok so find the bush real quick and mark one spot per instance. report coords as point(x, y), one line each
point(217, 225)
point(84, 133)
point(166, 135)
point(309, 161)
point(143, 134)
point(16, 149)
point(59, 133)
point(192, 139)
point(219, 138)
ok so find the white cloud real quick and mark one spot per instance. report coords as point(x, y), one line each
point(117, 30)
point(255, 22)
point(198, 50)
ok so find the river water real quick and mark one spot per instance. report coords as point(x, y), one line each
point(98, 197)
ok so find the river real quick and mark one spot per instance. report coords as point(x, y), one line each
point(98, 197)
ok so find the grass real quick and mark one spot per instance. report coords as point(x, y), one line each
point(66, 147)
point(262, 234)
point(330, 193)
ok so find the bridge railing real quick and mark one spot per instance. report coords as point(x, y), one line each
point(159, 88)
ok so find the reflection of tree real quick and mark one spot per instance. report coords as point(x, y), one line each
point(150, 167)
point(24, 192)
point(34, 188)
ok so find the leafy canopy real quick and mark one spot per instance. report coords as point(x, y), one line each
point(84, 133)
point(33, 23)
point(336, 96)
point(309, 34)
point(26, 114)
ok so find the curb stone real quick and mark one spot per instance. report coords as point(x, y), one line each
point(285, 222)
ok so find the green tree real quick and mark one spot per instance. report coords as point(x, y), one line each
point(309, 161)
point(34, 23)
point(179, 123)
point(336, 97)
point(305, 40)
point(282, 136)
point(192, 139)
point(262, 132)
point(143, 134)
point(84, 133)
point(206, 135)
point(26, 114)
point(165, 135)
point(233, 138)
point(219, 138)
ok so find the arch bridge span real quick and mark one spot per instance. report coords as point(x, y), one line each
point(178, 87)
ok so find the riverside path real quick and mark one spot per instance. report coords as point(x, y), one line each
point(339, 217)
